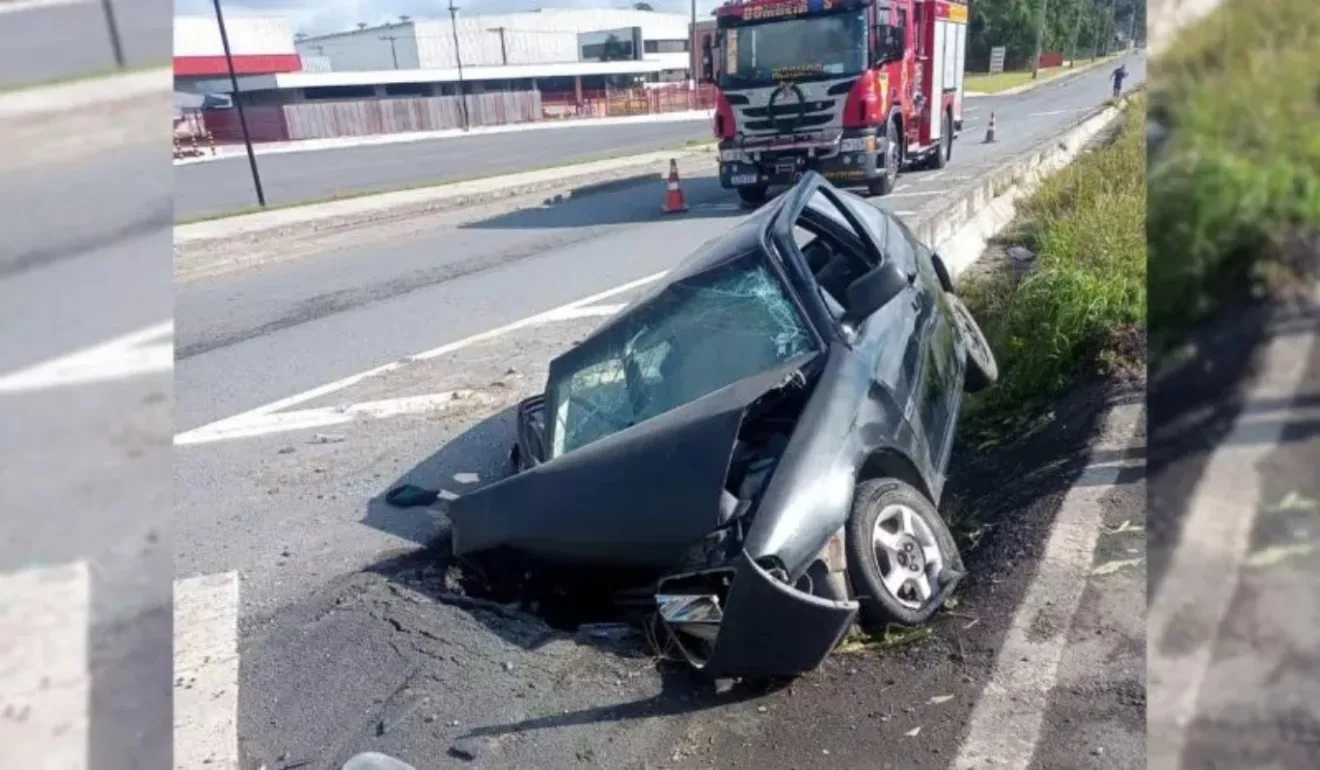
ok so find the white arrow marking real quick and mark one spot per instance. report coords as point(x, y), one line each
point(146, 351)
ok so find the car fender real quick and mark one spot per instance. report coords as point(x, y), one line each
point(848, 422)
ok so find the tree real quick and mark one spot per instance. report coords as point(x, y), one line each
point(642, 7)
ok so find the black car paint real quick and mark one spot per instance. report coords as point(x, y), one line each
point(884, 399)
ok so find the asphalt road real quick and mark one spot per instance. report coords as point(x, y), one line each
point(69, 39)
point(85, 463)
point(372, 298)
point(216, 187)
point(343, 645)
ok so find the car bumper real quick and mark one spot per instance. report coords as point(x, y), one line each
point(858, 159)
point(761, 628)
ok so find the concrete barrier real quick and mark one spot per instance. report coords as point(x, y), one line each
point(961, 227)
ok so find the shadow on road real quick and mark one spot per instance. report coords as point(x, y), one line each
point(632, 200)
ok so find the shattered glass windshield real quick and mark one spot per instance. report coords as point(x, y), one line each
point(694, 338)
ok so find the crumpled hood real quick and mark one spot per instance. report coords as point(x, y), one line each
point(639, 498)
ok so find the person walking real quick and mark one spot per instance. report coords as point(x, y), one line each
point(1117, 76)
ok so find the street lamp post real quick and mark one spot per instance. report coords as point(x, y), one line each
point(458, 59)
point(113, 28)
point(238, 104)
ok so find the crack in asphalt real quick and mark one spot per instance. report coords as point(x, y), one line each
point(160, 218)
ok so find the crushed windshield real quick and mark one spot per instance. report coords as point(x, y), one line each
point(694, 338)
point(816, 46)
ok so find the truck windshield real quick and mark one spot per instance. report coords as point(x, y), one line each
point(810, 48)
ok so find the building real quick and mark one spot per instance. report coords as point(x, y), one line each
point(563, 52)
point(260, 45)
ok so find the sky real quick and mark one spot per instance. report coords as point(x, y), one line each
point(316, 17)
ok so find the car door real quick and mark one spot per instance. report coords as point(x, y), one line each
point(944, 361)
point(929, 354)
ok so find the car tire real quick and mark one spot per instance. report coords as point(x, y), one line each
point(753, 196)
point(942, 272)
point(918, 528)
point(893, 159)
point(944, 153)
point(982, 368)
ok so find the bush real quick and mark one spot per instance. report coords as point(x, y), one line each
point(1240, 171)
point(1084, 306)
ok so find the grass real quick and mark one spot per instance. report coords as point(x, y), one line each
point(1082, 310)
point(985, 83)
point(1238, 178)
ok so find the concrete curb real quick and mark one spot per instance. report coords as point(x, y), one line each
point(90, 92)
point(374, 209)
point(376, 140)
point(960, 230)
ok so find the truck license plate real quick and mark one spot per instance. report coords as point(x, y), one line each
point(743, 180)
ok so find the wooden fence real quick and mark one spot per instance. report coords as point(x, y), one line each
point(390, 115)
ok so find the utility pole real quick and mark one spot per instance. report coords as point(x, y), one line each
point(1077, 31)
point(1132, 27)
point(692, 49)
point(113, 28)
point(238, 104)
point(504, 52)
point(1040, 40)
point(458, 59)
point(394, 54)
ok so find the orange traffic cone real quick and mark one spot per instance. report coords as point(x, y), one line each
point(674, 202)
point(990, 131)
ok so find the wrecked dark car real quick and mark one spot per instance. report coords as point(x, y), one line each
point(761, 439)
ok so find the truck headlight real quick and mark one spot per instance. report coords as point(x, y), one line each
point(732, 156)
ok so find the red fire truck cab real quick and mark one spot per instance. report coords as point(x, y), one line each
point(854, 89)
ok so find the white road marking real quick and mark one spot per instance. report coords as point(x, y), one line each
point(597, 311)
point(1205, 566)
point(1057, 112)
point(897, 193)
point(324, 417)
point(1006, 722)
point(146, 351)
point(44, 681)
point(19, 6)
point(206, 672)
point(245, 418)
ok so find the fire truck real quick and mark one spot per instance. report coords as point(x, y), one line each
point(854, 89)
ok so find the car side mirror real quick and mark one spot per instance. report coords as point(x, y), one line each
point(874, 290)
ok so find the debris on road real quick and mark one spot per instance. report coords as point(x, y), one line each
point(411, 496)
point(328, 438)
point(711, 412)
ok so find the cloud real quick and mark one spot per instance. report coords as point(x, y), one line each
point(316, 17)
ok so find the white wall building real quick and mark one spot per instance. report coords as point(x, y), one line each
point(536, 37)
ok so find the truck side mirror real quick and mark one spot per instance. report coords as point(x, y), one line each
point(707, 61)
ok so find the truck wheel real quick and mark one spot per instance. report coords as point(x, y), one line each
point(753, 196)
point(944, 153)
point(902, 559)
point(892, 157)
point(982, 368)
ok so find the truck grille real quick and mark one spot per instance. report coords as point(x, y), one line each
point(820, 110)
